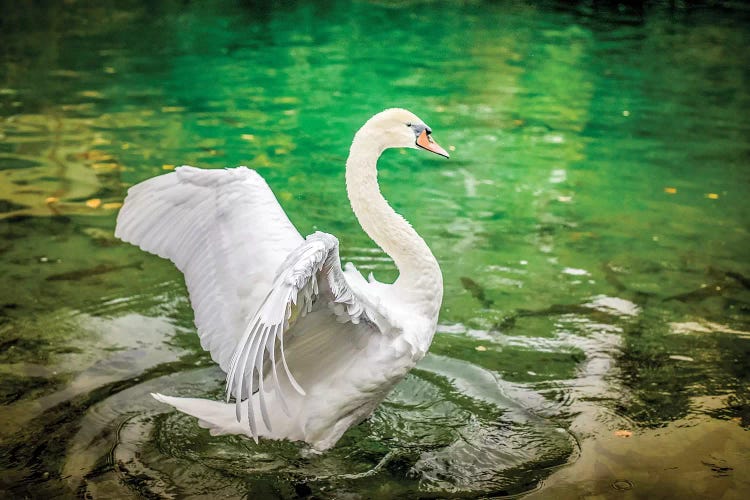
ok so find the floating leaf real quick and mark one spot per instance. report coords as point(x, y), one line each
point(480, 348)
point(112, 206)
point(712, 196)
point(93, 203)
point(167, 167)
point(286, 100)
point(91, 93)
point(670, 190)
point(105, 166)
point(623, 433)
point(262, 160)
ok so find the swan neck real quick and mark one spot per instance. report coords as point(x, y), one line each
point(419, 272)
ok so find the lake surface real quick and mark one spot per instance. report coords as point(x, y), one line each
point(591, 224)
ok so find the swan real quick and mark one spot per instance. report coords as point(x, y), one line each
point(309, 348)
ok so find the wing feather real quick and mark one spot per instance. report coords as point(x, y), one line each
point(295, 286)
point(225, 231)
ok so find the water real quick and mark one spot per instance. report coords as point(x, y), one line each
point(592, 227)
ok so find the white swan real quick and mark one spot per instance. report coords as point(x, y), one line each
point(310, 348)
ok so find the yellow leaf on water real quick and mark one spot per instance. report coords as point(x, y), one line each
point(112, 206)
point(480, 348)
point(51, 200)
point(104, 166)
point(93, 203)
point(248, 137)
point(286, 100)
point(91, 93)
point(262, 160)
point(77, 107)
point(167, 167)
point(623, 433)
point(712, 196)
point(100, 140)
point(670, 190)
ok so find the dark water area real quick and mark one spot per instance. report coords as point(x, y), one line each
point(591, 225)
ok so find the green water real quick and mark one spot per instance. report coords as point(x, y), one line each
point(591, 224)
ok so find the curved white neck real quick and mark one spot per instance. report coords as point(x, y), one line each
point(420, 279)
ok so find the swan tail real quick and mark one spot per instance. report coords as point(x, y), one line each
point(218, 417)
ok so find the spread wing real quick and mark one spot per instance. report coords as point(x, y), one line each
point(225, 231)
point(311, 274)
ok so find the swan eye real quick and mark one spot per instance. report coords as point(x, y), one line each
point(418, 128)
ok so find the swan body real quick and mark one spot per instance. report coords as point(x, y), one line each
point(309, 348)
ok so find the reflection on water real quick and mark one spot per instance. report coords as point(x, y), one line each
point(591, 225)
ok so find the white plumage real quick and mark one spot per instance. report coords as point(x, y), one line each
point(309, 348)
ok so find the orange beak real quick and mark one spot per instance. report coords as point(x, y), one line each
point(425, 141)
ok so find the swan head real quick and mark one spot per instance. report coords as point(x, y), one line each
point(400, 128)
